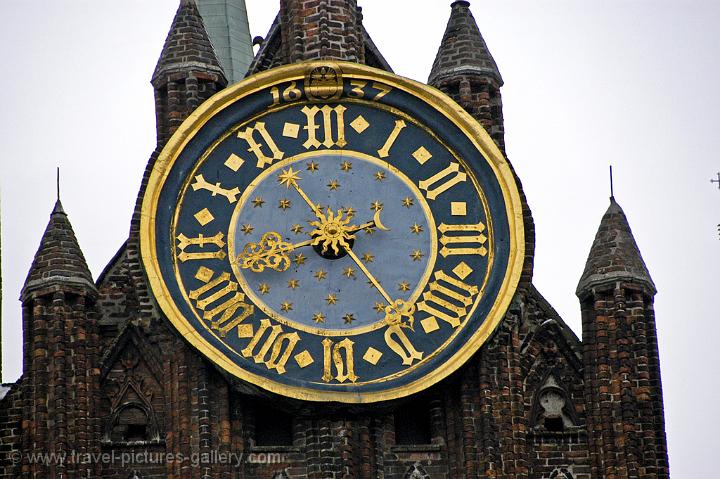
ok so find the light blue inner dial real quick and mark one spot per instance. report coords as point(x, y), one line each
point(335, 294)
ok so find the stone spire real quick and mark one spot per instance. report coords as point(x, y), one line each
point(187, 73)
point(463, 50)
point(614, 256)
point(59, 263)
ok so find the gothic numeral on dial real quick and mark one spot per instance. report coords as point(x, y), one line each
point(442, 181)
point(275, 349)
point(461, 241)
point(215, 189)
point(333, 356)
point(400, 344)
point(384, 152)
point(257, 149)
point(447, 298)
point(184, 242)
point(327, 126)
point(223, 294)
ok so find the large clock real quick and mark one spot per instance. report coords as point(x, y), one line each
point(333, 232)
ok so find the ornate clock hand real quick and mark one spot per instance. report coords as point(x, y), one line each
point(369, 275)
point(270, 252)
point(374, 222)
point(289, 178)
point(396, 309)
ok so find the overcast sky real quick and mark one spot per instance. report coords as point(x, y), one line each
point(587, 84)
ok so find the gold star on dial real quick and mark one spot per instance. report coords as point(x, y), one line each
point(376, 206)
point(331, 299)
point(408, 202)
point(299, 259)
point(258, 202)
point(368, 257)
point(318, 318)
point(284, 204)
point(247, 229)
point(333, 185)
point(346, 166)
point(264, 288)
point(416, 228)
point(320, 274)
point(349, 211)
point(404, 286)
point(379, 175)
point(293, 283)
point(349, 272)
point(369, 230)
point(312, 166)
point(416, 255)
point(379, 307)
point(349, 318)
point(289, 177)
point(286, 306)
point(297, 229)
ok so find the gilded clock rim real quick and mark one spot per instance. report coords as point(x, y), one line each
point(442, 104)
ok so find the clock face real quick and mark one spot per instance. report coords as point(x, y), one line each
point(328, 231)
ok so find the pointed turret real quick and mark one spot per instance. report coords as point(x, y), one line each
point(187, 46)
point(59, 323)
point(463, 50)
point(187, 73)
point(614, 256)
point(465, 71)
point(621, 365)
point(59, 263)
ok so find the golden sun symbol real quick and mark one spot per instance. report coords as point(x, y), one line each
point(331, 231)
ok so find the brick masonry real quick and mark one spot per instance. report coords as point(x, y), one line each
point(105, 372)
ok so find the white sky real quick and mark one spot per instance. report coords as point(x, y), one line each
point(587, 83)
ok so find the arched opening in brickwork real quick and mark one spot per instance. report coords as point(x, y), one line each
point(132, 423)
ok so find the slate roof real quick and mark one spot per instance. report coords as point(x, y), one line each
point(614, 255)
point(463, 49)
point(59, 261)
point(187, 46)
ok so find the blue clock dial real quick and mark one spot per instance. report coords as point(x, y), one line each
point(332, 232)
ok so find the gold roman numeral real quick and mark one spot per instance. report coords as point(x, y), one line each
point(397, 340)
point(466, 235)
point(201, 241)
point(219, 300)
point(275, 349)
point(333, 356)
point(215, 189)
point(384, 152)
point(442, 181)
point(257, 148)
point(450, 294)
point(327, 126)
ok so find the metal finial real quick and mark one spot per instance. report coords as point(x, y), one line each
point(57, 182)
point(716, 181)
point(612, 192)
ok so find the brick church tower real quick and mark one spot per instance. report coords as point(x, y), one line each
point(105, 372)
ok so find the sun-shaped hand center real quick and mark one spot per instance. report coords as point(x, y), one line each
point(332, 231)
